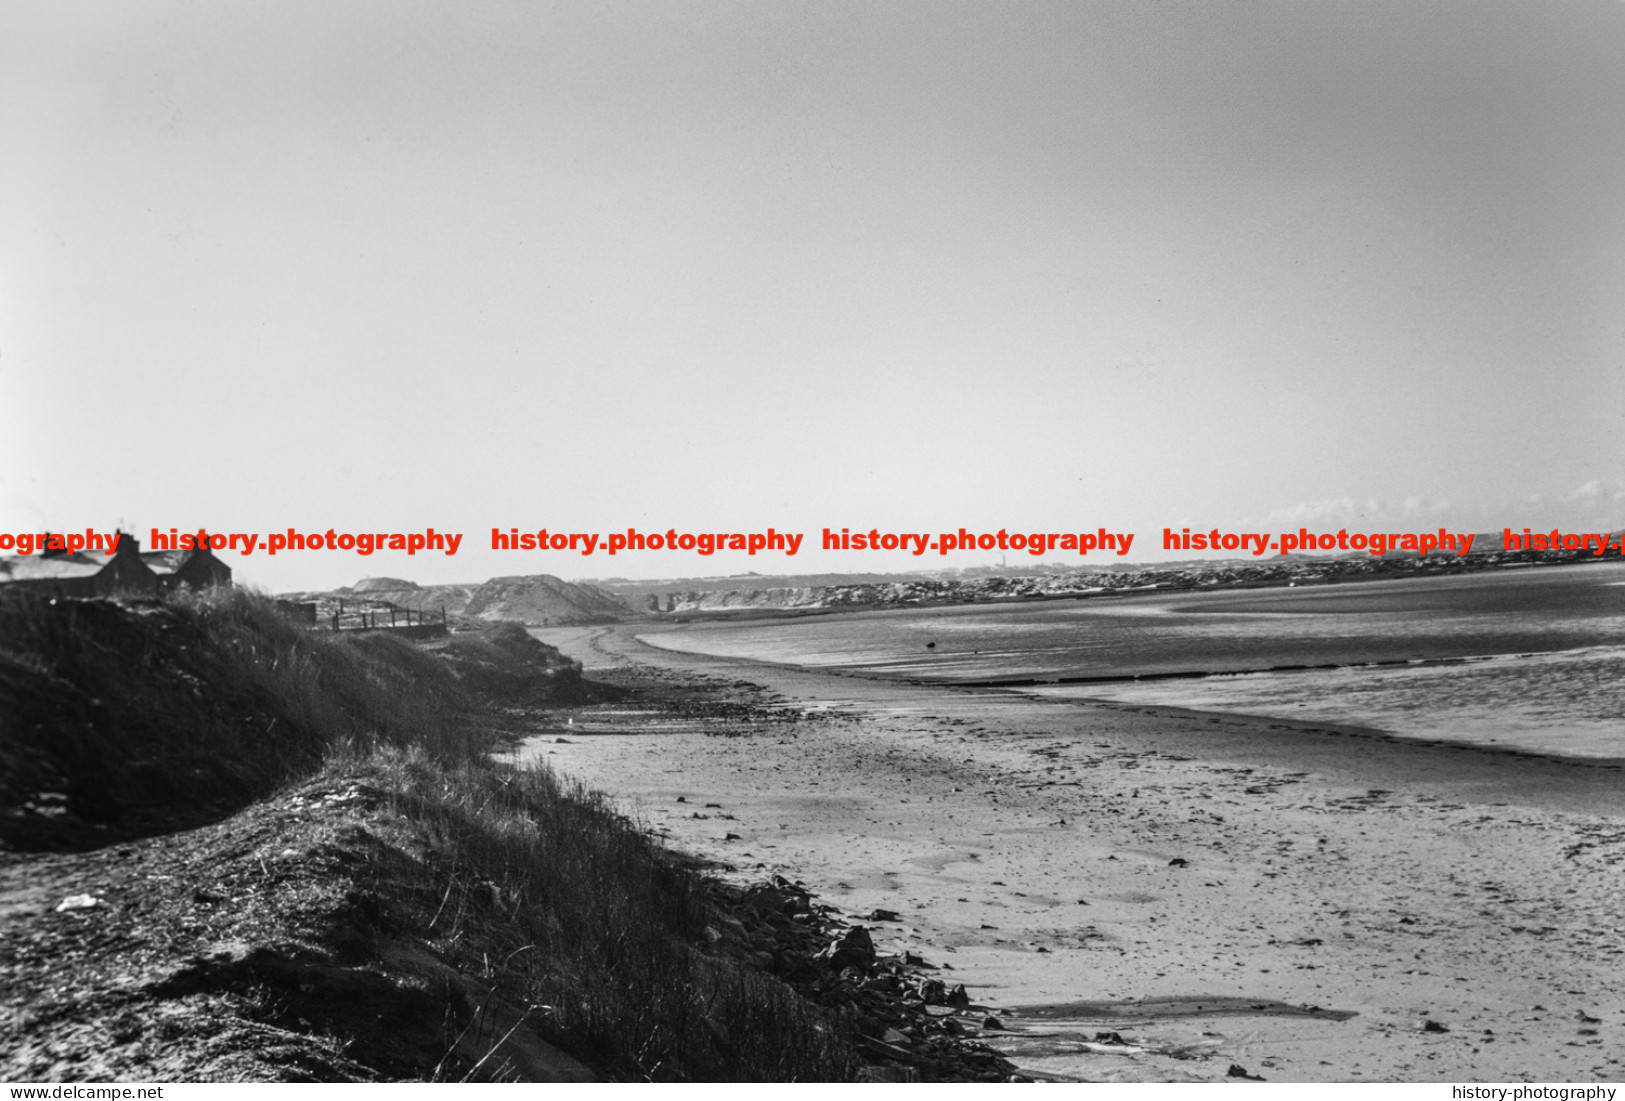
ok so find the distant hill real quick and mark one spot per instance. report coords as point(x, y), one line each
point(407, 594)
point(542, 600)
point(381, 584)
point(539, 600)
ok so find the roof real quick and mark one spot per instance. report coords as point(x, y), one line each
point(168, 562)
point(34, 567)
point(165, 562)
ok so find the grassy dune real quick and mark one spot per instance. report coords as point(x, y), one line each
point(505, 908)
point(153, 716)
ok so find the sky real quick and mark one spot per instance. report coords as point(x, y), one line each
point(726, 266)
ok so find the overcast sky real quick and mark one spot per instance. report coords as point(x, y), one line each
point(915, 266)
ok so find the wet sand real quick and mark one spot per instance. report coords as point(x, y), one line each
point(1294, 898)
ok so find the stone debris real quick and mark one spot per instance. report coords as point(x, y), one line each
point(909, 1025)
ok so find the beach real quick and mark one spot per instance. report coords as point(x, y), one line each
point(1154, 893)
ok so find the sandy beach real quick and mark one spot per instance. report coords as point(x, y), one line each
point(1302, 901)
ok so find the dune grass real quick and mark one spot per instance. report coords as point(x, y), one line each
point(169, 713)
point(146, 716)
point(120, 721)
point(571, 908)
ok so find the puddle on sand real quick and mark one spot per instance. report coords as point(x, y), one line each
point(1150, 1040)
point(1159, 1009)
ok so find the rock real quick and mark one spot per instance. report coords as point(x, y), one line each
point(1238, 1071)
point(884, 915)
point(78, 902)
point(958, 997)
point(1430, 1025)
point(1179, 862)
point(895, 1038)
point(993, 1024)
point(855, 949)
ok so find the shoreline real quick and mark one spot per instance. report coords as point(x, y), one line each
point(1062, 681)
point(1086, 855)
point(1564, 781)
point(1040, 688)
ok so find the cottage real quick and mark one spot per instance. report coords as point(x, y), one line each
point(83, 574)
point(194, 569)
point(127, 572)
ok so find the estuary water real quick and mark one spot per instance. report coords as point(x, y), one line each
point(1531, 658)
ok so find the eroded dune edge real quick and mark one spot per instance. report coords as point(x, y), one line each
point(1152, 893)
